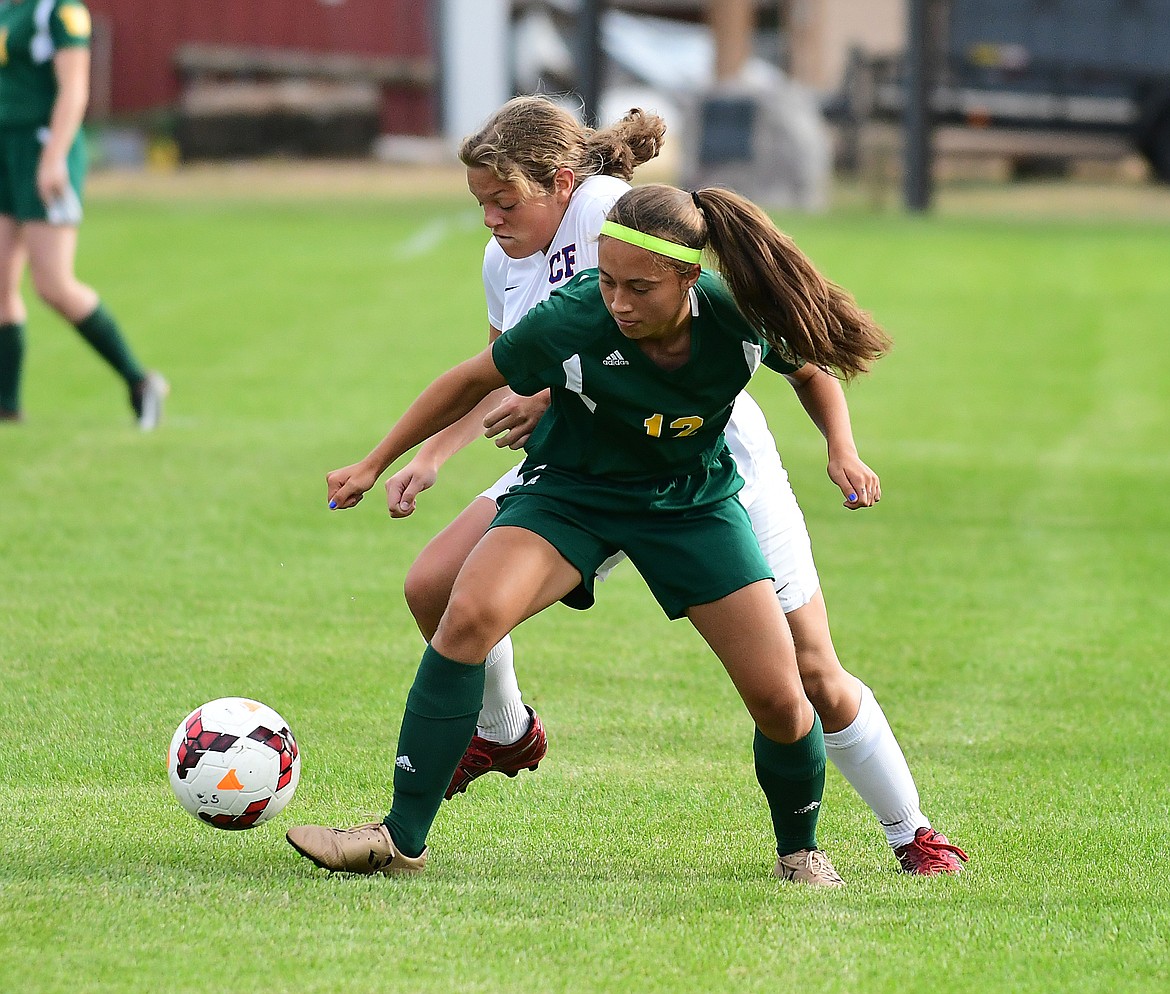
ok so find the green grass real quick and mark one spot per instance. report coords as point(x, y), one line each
point(1008, 602)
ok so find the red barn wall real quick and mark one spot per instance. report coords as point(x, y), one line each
point(146, 33)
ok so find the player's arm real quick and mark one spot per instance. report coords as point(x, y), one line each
point(71, 67)
point(824, 401)
point(443, 445)
point(449, 398)
point(423, 469)
point(514, 417)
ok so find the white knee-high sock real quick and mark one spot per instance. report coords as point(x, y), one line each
point(503, 717)
point(869, 757)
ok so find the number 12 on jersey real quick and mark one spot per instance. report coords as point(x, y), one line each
point(682, 427)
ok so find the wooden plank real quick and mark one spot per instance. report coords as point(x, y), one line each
point(1022, 143)
point(194, 60)
point(959, 141)
point(689, 10)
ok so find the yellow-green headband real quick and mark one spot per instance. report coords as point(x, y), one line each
point(684, 253)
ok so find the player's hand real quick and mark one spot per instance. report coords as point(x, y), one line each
point(515, 418)
point(348, 485)
point(860, 485)
point(405, 485)
point(52, 179)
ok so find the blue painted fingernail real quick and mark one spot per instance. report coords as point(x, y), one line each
point(333, 505)
point(853, 496)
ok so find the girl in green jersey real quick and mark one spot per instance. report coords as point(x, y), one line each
point(44, 89)
point(644, 358)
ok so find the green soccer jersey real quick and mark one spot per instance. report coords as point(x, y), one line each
point(616, 415)
point(31, 33)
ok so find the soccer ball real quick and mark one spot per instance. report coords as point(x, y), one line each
point(233, 763)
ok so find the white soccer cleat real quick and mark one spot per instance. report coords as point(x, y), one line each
point(148, 400)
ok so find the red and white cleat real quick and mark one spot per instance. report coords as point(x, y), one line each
point(484, 756)
point(930, 854)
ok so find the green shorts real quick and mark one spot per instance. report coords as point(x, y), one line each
point(20, 154)
point(686, 557)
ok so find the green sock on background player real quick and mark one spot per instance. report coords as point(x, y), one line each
point(793, 780)
point(441, 710)
point(11, 360)
point(102, 332)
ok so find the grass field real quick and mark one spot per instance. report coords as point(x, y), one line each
point(1008, 602)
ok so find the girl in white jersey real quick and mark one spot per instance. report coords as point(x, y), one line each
point(545, 184)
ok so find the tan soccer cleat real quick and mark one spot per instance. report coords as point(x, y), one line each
point(808, 866)
point(364, 849)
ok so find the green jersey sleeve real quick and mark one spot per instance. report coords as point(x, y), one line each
point(718, 296)
point(70, 25)
point(776, 362)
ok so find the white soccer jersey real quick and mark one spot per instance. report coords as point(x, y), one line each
point(514, 286)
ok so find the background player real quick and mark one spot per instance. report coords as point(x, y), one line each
point(44, 89)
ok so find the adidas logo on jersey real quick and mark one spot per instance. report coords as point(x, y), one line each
point(615, 358)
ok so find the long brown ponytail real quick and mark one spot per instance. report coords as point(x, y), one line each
point(774, 283)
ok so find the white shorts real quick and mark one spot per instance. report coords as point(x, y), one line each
point(766, 495)
point(768, 498)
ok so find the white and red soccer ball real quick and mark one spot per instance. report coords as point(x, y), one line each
point(233, 763)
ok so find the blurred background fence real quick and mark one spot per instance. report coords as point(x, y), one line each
point(769, 96)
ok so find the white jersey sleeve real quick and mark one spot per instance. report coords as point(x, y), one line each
point(495, 274)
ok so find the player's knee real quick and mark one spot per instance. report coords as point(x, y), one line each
point(56, 291)
point(782, 717)
point(426, 595)
point(820, 685)
point(832, 690)
point(470, 626)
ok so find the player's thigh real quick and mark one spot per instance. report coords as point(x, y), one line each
point(579, 533)
point(815, 652)
point(436, 567)
point(510, 575)
point(432, 574)
point(12, 259)
point(52, 250)
point(748, 632)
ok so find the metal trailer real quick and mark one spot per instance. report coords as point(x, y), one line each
point(1072, 66)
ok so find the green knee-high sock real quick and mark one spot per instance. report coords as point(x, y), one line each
point(11, 361)
point(793, 779)
point(441, 709)
point(102, 332)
